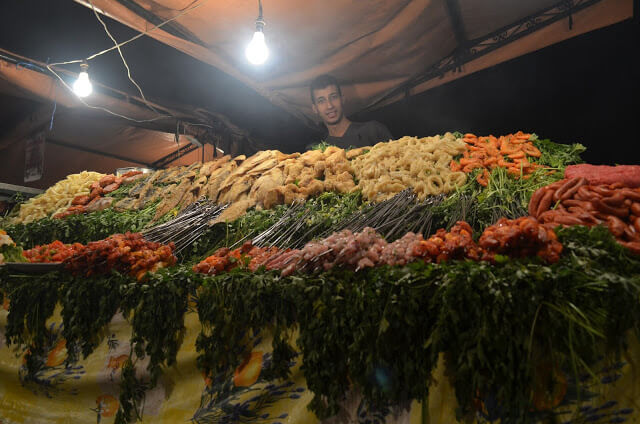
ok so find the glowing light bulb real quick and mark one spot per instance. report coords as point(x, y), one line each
point(83, 87)
point(257, 51)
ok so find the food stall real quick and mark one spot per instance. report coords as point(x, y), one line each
point(448, 278)
point(499, 280)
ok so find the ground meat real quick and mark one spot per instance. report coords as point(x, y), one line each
point(629, 175)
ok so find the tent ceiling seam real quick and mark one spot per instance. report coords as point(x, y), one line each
point(173, 156)
point(172, 28)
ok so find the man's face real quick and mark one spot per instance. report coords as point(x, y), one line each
point(328, 104)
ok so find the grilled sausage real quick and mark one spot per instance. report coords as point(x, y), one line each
point(564, 187)
point(545, 202)
point(571, 191)
point(535, 200)
point(616, 226)
point(621, 212)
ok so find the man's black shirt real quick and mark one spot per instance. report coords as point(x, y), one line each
point(361, 134)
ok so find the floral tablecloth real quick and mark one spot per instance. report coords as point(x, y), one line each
point(88, 390)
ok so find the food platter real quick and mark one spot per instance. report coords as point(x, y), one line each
point(33, 268)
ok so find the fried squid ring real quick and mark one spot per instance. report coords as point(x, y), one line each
point(435, 184)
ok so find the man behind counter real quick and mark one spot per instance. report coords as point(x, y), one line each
point(327, 100)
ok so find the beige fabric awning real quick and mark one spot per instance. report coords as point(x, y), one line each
point(78, 138)
point(380, 49)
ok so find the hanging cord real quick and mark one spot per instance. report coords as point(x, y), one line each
point(124, 62)
point(81, 100)
point(117, 46)
point(260, 23)
point(142, 33)
point(55, 106)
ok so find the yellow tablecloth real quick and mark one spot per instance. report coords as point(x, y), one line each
point(88, 391)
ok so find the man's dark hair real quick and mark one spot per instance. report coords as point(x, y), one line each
point(323, 81)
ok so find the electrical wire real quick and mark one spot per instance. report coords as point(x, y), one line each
point(104, 109)
point(124, 62)
point(142, 33)
point(118, 46)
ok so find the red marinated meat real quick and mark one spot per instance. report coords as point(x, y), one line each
point(106, 180)
point(110, 188)
point(131, 174)
point(80, 200)
point(629, 175)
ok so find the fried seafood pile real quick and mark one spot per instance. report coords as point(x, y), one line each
point(57, 198)
point(511, 151)
point(419, 163)
point(264, 180)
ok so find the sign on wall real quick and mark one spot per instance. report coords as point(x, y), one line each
point(34, 157)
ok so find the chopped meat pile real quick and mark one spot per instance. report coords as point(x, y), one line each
point(520, 237)
point(629, 175)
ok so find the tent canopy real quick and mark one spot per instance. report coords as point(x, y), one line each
point(381, 50)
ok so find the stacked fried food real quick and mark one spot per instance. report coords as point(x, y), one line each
point(419, 163)
point(511, 151)
point(264, 180)
point(272, 178)
point(429, 166)
point(57, 198)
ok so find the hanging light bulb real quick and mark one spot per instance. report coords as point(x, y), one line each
point(257, 51)
point(82, 87)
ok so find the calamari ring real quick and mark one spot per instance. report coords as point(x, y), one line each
point(454, 180)
point(442, 159)
point(435, 184)
point(453, 147)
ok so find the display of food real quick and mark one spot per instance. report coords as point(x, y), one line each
point(420, 163)
point(128, 253)
point(429, 166)
point(225, 259)
point(512, 151)
point(574, 201)
point(52, 252)
point(95, 200)
point(57, 198)
point(519, 238)
point(347, 287)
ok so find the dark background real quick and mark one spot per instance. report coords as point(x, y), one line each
point(586, 89)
